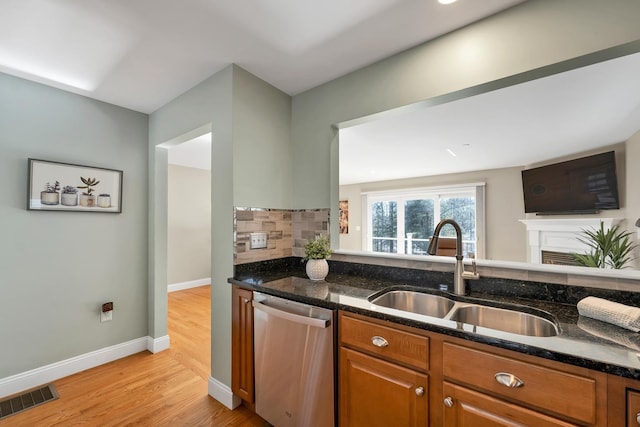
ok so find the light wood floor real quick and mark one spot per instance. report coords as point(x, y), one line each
point(164, 389)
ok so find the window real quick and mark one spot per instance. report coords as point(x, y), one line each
point(403, 221)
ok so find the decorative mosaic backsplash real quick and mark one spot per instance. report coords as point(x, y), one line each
point(287, 232)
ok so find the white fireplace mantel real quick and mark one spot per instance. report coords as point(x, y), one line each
point(560, 234)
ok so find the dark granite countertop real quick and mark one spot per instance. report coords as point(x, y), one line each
point(582, 341)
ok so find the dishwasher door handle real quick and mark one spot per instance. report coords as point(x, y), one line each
point(297, 318)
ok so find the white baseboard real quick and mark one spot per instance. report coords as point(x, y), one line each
point(46, 374)
point(223, 394)
point(155, 345)
point(187, 285)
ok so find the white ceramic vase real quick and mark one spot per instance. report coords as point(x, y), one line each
point(104, 201)
point(47, 198)
point(317, 269)
point(88, 201)
point(69, 199)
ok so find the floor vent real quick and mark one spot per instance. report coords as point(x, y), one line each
point(30, 399)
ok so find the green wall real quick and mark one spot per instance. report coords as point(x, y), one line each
point(250, 122)
point(534, 34)
point(57, 268)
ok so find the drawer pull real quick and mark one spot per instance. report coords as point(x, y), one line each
point(379, 341)
point(509, 380)
point(638, 418)
point(448, 402)
point(420, 391)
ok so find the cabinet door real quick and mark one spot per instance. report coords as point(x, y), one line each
point(378, 393)
point(465, 407)
point(242, 377)
point(633, 408)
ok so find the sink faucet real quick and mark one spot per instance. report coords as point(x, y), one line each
point(458, 274)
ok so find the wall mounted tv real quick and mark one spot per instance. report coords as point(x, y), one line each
point(584, 185)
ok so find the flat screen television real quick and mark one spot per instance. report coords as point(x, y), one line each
point(584, 185)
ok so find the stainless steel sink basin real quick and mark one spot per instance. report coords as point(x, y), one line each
point(515, 322)
point(415, 302)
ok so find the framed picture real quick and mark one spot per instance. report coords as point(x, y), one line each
point(343, 220)
point(55, 186)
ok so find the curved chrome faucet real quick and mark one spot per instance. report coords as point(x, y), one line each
point(458, 278)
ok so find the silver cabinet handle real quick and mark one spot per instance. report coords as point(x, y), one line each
point(638, 418)
point(420, 391)
point(448, 402)
point(379, 341)
point(246, 301)
point(509, 380)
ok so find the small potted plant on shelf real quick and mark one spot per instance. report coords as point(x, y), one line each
point(86, 198)
point(316, 253)
point(69, 196)
point(104, 200)
point(50, 195)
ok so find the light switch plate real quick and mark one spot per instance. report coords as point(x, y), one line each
point(258, 240)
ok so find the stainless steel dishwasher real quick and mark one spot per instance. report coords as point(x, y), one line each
point(294, 362)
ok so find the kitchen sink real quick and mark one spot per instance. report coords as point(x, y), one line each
point(515, 322)
point(415, 302)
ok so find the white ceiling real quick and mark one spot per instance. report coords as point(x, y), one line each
point(195, 153)
point(556, 116)
point(140, 54)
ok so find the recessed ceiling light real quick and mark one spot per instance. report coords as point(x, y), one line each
point(451, 152)
point(446, 1)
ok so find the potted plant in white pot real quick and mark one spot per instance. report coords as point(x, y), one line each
point(316, 253)
point(69, 196)
point(104, 200)
point(50, 195)
point(86, 198)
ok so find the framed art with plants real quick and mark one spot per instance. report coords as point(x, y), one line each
point(56, 186)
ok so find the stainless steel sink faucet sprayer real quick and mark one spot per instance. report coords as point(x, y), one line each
point(458, 274)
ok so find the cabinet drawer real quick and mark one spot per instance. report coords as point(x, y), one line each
point(389, 343)
point(558, 392)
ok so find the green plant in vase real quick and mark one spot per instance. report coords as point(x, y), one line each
point(86, 198)
point(50, 195)
point(69, 196)
point(316, 253)
point(611, 248)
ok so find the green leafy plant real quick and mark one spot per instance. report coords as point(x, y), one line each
point(611, 248)
point(52, 188)
point(68, 189)
point(88, 183)
point(318, 248)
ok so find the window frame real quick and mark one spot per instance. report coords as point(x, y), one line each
point(401, 196)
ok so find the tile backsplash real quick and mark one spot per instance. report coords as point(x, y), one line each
point(287, 232)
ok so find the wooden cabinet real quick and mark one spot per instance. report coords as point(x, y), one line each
point(623, 402)
point(541, 387)
point(382, 371)
point(466, 407)
point(242, 376)
point(633, 408)
point(463, 383)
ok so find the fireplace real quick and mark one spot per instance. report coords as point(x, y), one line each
point(557, 238)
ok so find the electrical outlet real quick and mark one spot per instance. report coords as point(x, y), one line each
point(106, 316)
point(106, 313)
point(258, 240)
